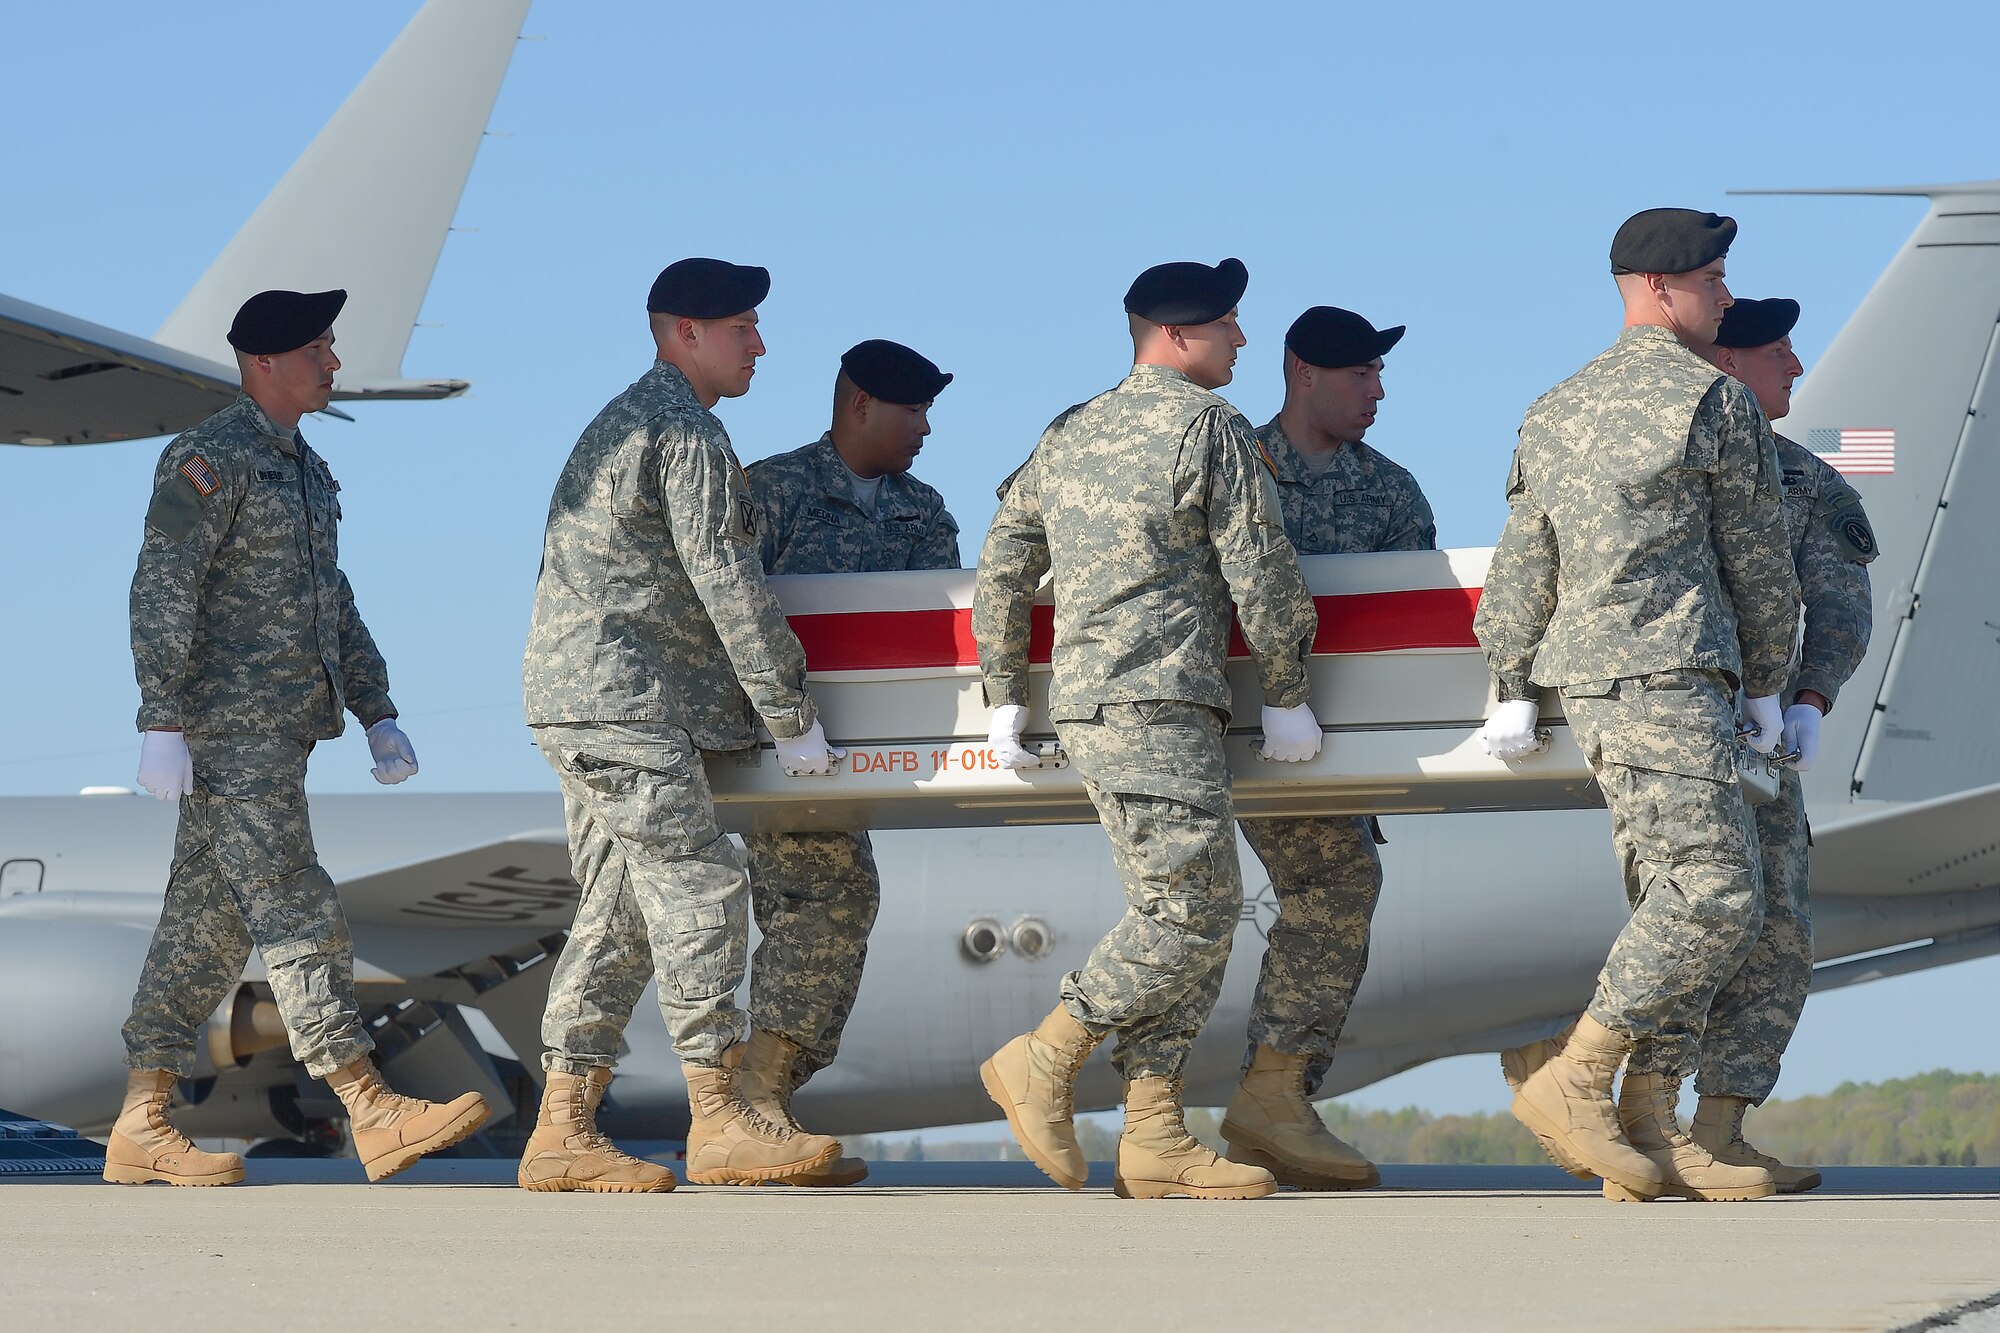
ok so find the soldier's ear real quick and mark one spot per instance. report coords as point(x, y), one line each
point(670, 330)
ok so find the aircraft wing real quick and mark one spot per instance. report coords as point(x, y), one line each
point(67, 381)
point(419, 917)
point(1947, 845)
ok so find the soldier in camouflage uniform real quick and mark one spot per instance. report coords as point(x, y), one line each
point(1644, 571)
point(1151, 506)
point(655, 638)
point(844, 504)
point(248, 649)
point(1756, 1010)
point(1339, 496)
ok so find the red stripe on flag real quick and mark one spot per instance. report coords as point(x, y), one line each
point(1371, 622)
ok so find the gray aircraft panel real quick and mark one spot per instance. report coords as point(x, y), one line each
point(1911, 360)
point(1933, 729)
point(1947, 845)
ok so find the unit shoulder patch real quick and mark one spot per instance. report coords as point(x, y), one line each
point(175, 511)
point(1854, 536)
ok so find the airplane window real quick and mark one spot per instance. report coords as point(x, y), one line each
point(22, 876)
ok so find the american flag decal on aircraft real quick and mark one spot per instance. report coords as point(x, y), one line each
point(1855, 453)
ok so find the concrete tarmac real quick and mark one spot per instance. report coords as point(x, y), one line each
point(990, 1245)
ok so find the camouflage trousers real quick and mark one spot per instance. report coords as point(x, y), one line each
point(1156, 773)
point(1663, 749)
point(1328, 878)
point(1757, 1009)
point(662, 886)
point(815, 896)
point(245, 873)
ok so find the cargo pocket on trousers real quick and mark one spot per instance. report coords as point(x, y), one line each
point(704, 949)
point(291, 951)
point(1145, 964)
point(308, 985)
point(604, 775)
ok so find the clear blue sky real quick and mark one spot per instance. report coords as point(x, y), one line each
point(980, 182)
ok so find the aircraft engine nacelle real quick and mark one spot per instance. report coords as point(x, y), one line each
point(61, 1056)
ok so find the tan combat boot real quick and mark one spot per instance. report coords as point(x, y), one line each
point(1646, 1108)
point(1567, 1105)
point(1157, 1157)
point(391, 1131)
point(1033, 1079)
point(1517, 1062)
point(729, 1143)
point(765, 1081)
point(144, 1146)
point(566, 1151)
point(1718, 1127)
point(1271, 1124)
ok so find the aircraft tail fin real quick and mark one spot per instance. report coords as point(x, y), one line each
point(1906, 403)
point(368, 204)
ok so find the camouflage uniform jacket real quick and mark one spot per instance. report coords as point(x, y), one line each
point(241, 619)
point(1360, 502)
point(651, 605)
point(812, 524)
point(1643, 507)
point(1152, 506)
point(1832, 545)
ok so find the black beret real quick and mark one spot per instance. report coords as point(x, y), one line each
point(708, 289)
point(892, 372)
point(273, 322)
point(1756, 323)
point(1330, 337)
point(1670, 240)
point(1187, 293)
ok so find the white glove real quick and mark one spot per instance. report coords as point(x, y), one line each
point(1291, 735)
point(1510, 732)
point(808, 755)
point(165, 769)
point(1005, 737)
point(1802, 735)
point(1762, 712)
point(394, 759)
